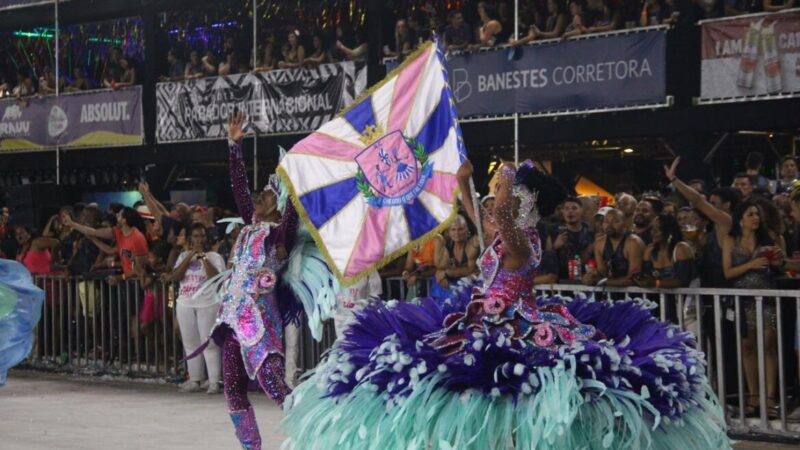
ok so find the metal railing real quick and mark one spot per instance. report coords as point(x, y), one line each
point(90, 327)
point(719, 319)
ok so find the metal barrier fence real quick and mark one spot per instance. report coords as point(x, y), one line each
point(720, 320)
point(91, 327)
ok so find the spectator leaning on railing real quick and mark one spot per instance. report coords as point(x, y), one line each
point(748, 255)
point(176, 70)
point(618, 253)
point(644, 215)
point(554, 26)
point(293, 52)
point(457, 35)
point(669, 261)
point(455, 258)
point(79, 81)
point(573, 238)
point(403, 41)
point(194, 67)
point(319, 51)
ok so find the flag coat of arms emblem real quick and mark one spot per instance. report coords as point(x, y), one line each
point(381, 177)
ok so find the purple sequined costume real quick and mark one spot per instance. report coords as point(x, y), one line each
point(250, 322)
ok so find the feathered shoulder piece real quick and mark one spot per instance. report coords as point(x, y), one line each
point(311, 281)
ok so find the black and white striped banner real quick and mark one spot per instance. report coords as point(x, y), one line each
point(275, 102)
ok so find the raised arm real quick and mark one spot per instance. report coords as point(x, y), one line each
point(463, 176)
point(240, 183)
point(102, 233)
point(156, 208)
point(102, 246)
point(720, 218)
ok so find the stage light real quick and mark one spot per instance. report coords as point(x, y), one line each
point(628, 150)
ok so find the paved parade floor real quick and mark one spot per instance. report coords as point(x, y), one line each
point(55, 412)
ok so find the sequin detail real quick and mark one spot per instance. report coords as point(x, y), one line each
point(244, 422)
point(254, 318)
point(506, 309)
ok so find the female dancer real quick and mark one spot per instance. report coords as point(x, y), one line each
point(506, 370)
point(253, 330)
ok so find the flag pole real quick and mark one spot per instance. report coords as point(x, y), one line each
point(476, 207)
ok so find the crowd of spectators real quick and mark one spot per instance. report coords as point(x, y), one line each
point(294, 48)
point(743, 235)
point(490, 23)
point(621, 240)
point(487, 24)
point(119, 71)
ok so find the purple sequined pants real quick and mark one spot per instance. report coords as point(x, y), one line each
point(270, 376)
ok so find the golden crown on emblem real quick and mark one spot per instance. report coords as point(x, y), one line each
point(371, 134)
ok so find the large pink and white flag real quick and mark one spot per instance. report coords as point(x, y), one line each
point(380, 177)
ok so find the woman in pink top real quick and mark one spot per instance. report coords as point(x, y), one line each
point(36, 254)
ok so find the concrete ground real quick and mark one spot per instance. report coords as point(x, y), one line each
point(54, 412)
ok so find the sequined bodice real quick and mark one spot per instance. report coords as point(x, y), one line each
point(250, 256)
point(752, 279)
point(251, 253)
point(506, 306)
point(507, 283)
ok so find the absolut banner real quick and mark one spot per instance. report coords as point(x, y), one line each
point(758, 55)
point(604, 72)
point(89, 119)
point(274, 102)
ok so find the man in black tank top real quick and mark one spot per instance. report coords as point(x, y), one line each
point(619, 253)
point(643, 217)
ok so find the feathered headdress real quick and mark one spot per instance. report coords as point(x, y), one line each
point(275, 185)
point(538, 192)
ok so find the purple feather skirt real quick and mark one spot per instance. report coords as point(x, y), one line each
point(425, 375)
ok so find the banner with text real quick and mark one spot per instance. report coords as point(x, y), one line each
point(753, 56)
point(614, 71)
point(278, 101)
point(89, 119)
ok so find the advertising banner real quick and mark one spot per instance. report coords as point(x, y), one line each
point(88, 119)
point(612, 71)
point(754, 56)
point(278, 101)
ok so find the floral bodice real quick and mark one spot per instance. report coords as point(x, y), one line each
point(506, 305)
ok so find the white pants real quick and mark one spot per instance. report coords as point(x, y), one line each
point(195, 325)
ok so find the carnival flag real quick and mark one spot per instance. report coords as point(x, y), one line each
point(380, 177)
